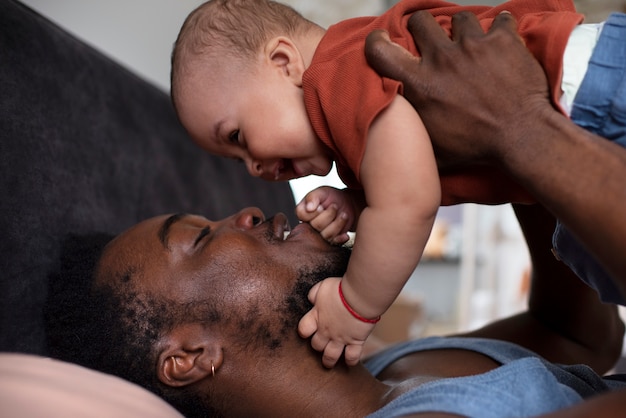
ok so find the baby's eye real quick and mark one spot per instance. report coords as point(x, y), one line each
point(234, 137)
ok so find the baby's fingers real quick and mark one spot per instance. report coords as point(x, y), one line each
point(306, 215)
point(332, 352)
point(331, 224)
point(308, 324)
point(312, 204)
point(353, 354)
point(336, 231)
point(313, 292)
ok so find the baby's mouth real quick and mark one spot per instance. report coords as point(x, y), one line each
point(279, 169)
point(283, 166)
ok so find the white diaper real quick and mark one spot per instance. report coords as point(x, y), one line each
point(575, 58)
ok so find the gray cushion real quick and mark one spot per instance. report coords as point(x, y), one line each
point(88, 146)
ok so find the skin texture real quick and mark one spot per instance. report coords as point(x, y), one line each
point(518, 132)
point(252, 109)
point(244, 264)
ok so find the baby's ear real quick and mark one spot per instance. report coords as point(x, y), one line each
point(283, 53)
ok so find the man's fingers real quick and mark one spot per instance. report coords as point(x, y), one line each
point(427, 33)
point(505, 21)
point(387, 58)
point(465, 24)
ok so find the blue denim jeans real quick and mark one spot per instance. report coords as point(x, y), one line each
point(599, 107)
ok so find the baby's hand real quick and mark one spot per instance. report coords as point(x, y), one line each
point(332, 326)
point(329, 211)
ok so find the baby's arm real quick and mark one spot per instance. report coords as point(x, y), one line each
point(402, 191)
point(401, 184)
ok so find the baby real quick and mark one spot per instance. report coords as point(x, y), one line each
point(255, 81)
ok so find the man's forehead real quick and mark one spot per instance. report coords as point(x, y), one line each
point(131, 252)
point(131, 240)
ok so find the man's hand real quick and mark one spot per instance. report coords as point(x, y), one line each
point(468, 90)
point(328, 210)
point(332, 326)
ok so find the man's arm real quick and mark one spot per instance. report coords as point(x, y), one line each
point(500, 114)
point(565, 322)
point(606, 405)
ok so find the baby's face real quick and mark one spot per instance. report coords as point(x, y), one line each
point(256, 117)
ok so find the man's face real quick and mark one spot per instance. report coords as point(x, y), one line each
point(242, 262)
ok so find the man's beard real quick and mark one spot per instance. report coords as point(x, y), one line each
point(297, 300)
point(273, 333)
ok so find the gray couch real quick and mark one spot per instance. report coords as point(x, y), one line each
point(87, 146)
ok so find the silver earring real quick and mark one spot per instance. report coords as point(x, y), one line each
point(212, 369)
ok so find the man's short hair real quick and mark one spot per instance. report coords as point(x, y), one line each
point(109, 328)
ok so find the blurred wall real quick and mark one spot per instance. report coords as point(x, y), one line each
point(140, 33)
point(137, 33)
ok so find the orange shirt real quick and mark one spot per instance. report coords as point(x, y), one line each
point(343, 94)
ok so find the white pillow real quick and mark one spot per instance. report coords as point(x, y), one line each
point(33, 387)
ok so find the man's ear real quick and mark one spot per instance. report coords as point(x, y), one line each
point(283, 53)
point(189, 354)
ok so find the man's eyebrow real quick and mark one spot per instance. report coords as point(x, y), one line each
point(164, 231)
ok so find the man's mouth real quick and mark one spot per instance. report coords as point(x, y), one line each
point(279, 227)
point(297, 230)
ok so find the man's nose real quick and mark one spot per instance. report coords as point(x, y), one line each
point(248, 218)
point(254, 167)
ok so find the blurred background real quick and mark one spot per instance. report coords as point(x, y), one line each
point(476, 265)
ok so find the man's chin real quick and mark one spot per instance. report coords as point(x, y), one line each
point(298, 298)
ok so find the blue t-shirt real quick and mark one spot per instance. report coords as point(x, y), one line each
point(524, 385)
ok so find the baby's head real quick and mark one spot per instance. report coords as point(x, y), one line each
point(237, 28)
point(236, 84)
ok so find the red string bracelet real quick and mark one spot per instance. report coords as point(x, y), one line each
point(353, 312)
